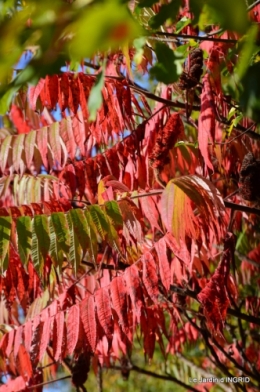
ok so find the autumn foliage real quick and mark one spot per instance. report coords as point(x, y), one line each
point(130, 217)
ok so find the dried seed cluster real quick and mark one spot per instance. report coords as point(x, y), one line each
point(190, 79)
point(80, 369)
point(165, 140)
point(249, 178)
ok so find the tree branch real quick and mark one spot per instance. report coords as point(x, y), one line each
point(48, 382)
point(205, 336)
point(158, 376)
point(238, 207)
point(196, 37)
point(162, 100)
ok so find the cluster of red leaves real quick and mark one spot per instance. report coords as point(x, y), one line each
point(187, 333)
point(102, 322)
point(18, 283)
point(121, 161)
point(215, 296)
point(71, 91)
point(55, 205)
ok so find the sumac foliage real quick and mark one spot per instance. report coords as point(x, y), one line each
point(129, 215)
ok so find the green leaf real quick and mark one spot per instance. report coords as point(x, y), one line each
point(92, 233)
point(230, 15)
point(37, 259)
point(113, 211)
point(95, 97)
point(248, 49)
point(61, 228)
point(169, 66)
point(102, 26)
point(56, 251)
point(24, 233)
point(5, 151)
point(196, 7)
point(182, 23)
point(250, 96)
point(99, 220)
point(167, 11)
point(80, 228)
point(6, 99)
point(75, 252)
point(42, 231)
point(5, 233)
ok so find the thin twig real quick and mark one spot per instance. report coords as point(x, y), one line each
point(202, 371)
point(196, 37)
point(218, 363)
point(237, 365)
point(48, 382)
point(253, 5)
point(167, 102)
point(247, 259)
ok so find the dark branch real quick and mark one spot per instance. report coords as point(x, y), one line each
point(48, 382)
point(159, 376)
point(238, 207)
point(196, 37)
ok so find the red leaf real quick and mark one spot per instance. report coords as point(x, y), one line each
point(27, 334)
point(54, 142)
point(35, 345)
point(64, 91)
point(16, 385)
point(148, 327)
point(118, 296)
point(67, 135)
point(164, 266)
point(42, 144)
point(81, 131)
point(81, 177)
point(88, 317)
point(150, 277)
point(3, 344)
point(51, 86)
point(37, 208)
point(82, 97)
point(45, 337)
point(206, 127)
point(150, 211)
point(75, 90)
point(34, 92)
point(18, 339)
point(23, 364)
point(18, 120)
point(58, 330)
point(104, 313)
point(213, 68)
point(72, 328)
point(10, 342)
point(134, 289)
